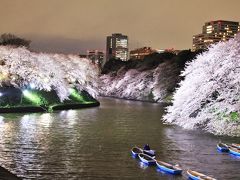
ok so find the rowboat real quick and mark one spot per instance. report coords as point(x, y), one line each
point(136, 150)
point(169, 168)
point(198, 176)
point(149, 152)
point(222, 147)
point(147, 159)
point(236, 145)
point(234, 151)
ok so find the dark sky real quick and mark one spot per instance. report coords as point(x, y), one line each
point(73, 26)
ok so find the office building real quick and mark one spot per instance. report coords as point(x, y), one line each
point(117, 47)
point(213, 32)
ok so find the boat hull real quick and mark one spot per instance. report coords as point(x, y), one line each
point(149, 152)
point(168, 170)
point(234, 152)
point(222, 148)
point(198, 176)
point(150, 161)
point(135, 151)
point(193, 177)
point(135, 155)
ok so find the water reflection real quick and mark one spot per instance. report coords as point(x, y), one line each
point(95, 143)
point(46, 120)
point(142, 165)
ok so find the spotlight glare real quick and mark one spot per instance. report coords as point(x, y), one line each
point(71, 90)
point(25, 92)
point(33, 97)
point(32, 86)
point(74, 94)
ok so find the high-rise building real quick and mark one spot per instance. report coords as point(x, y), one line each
point(117, 47)
point(96, 56)
point(215, 31)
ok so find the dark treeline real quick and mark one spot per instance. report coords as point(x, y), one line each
point(13, 40)
point(151, 61)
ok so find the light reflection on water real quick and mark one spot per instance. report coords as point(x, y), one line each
point(95, 143)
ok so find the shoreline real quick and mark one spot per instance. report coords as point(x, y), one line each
point(34, 109)
point(148, 101)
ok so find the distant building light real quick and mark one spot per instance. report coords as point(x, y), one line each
point(160, 50)
point(215, 31)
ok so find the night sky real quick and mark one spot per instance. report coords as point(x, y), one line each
point(73, 26)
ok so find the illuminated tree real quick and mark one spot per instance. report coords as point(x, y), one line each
point(24, 69)
point(209, 96)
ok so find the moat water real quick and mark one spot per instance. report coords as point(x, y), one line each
point(95, 143)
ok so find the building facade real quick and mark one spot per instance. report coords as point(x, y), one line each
point(140, 53)
point(117, 47)
point(96, 56)
point(215, 31)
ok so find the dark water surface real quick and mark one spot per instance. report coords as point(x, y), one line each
point(95, 143)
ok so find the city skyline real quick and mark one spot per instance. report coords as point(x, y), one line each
point(76, 26)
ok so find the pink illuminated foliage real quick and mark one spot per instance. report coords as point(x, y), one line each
point(20, 68)
point(209, 96)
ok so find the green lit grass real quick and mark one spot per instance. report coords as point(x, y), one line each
point(34, 98)
point(46, 100)
point(76, 96)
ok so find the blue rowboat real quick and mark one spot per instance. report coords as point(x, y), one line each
point(222, 147)
point(135, 151)
point(234, 151)
point(147, 159)
point(169, 168)
point(149, 152)
point(194, 175)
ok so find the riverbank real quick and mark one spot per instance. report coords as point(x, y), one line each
point(7, 175)
point(33, 109)
point(164, 104)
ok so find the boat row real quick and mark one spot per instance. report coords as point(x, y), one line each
point(166, 167)
point(232, 148)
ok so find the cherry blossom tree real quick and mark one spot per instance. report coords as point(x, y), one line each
point(209, 96)
point(21, 68)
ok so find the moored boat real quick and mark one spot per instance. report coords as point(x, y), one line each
point(135, 151)
point(222, 147)
point(198, 176)
point(236, 145)
point(234, 151)
point(147, 159)
point(169, 168)
point(149, 152)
